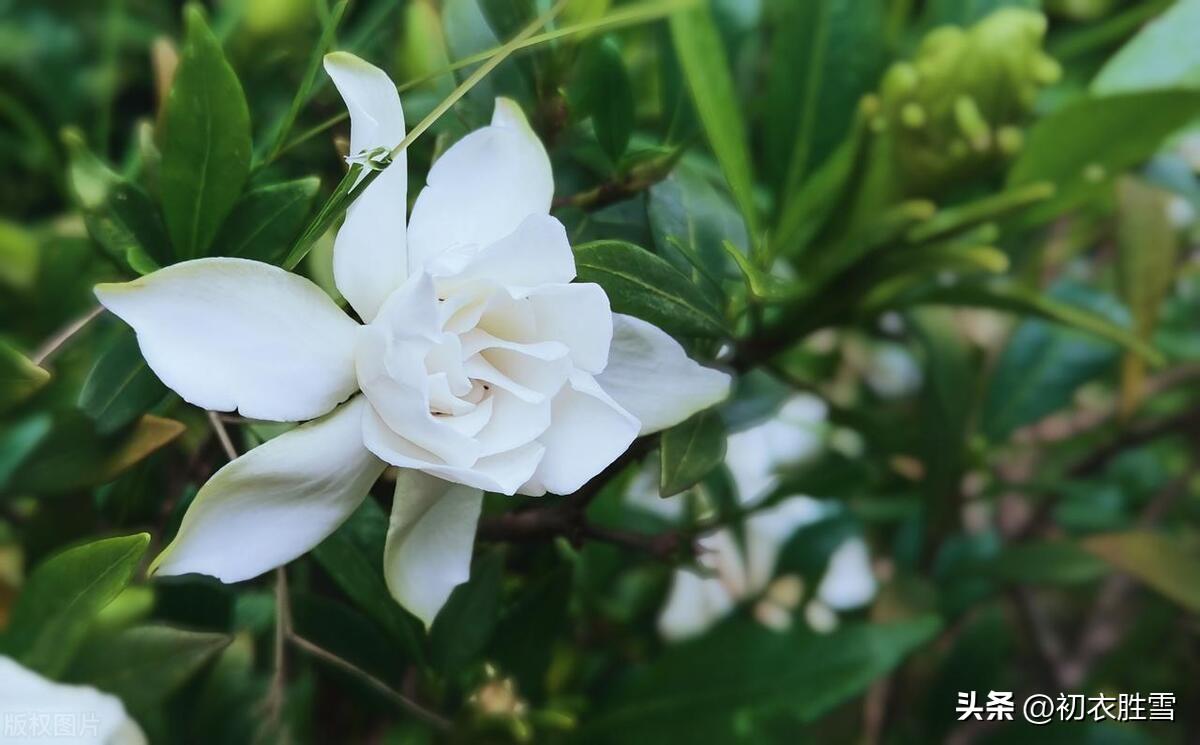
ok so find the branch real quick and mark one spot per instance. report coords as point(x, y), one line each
point(56, 342)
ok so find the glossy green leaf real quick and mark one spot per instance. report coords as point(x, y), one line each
point(121, 386)
point(695, 692)
point(690, 450)
point(144, 664)
point(18, 440)
point(1165, 563)
point(706, 70)
point(19, 377)
point(119, 215)
point(641, 284)
point(63, 595)
point(688, 207)
point(466, 622)
point(205, 142)
point(1163, 54)
point(266, 220)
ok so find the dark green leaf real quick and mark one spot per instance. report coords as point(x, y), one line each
point(63, 595)
point(465, 624)
point(121, 387)
point(20, 439)
point(694, 692)
point(690, 450)
point(602, 91)
point(266, 220)
point(206, 142)
point(641, 284)
point(825, 55)
point(143, 665)
point(947, 401)
point(1058, 562)
point(687, 207)
point(706, 69)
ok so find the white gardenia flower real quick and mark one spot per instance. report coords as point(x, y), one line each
point(730, 573)
point(34, 710)
point(478, 365)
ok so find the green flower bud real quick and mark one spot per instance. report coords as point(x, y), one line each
point(947, 107)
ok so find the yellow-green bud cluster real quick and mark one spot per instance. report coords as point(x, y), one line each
point(959, 103)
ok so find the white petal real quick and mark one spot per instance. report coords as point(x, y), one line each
point(31, 706)
point(769, 530)
point(430, 541)
point(849, 582)
point(231, 334)
point(369, 259)
point(502, 472)
point(277, 501)
point(588, 431)
point(694, 605)
point(536, 253)
point(651, 376)
point(577, 315)
point(481, 188)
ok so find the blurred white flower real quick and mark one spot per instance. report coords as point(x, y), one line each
point(729, 573)
point(36, 710)
point(891, 371)
point(481, 365)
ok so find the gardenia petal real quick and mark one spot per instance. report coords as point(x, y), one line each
point(650, 375)
point(231, 334)
point(848, 582)
point(429, 542)
point(369, 256)
point(588, 431)
point(277, 501)
point(537, 252)
point(694, 605)
point(94, 717)
point(481, 188)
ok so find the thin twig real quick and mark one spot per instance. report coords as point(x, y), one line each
point(277, 693)
point(222, 435)
point(404, 702)
point(56, 342)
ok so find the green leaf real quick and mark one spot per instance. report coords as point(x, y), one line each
point(465, 624)
point(688, 207)
point(144, 665)
point(1163, 54)
point(18, 440)
point(119, 215)
point(75, 455)
point(825, 55)
point(1055, 562)
point(1164, 563)
point(763, 285)
point(1003, 294)
point(1044, 363)
point(706, 69)
point(20, 378)
point(266, 220)
point(641, 284)
point(968, 12)
point(206, 142)
point(1084, 144)
point(699, 691)
point(353, 557)
point(602, 91)
point(63, 595)
point(18, 256)
point(963, 216)
point(120, 387)
point(946, 404)
point(690, 450)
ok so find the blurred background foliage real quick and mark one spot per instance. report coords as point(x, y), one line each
point(967, 226)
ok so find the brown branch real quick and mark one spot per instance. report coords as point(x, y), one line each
point(56, 342)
